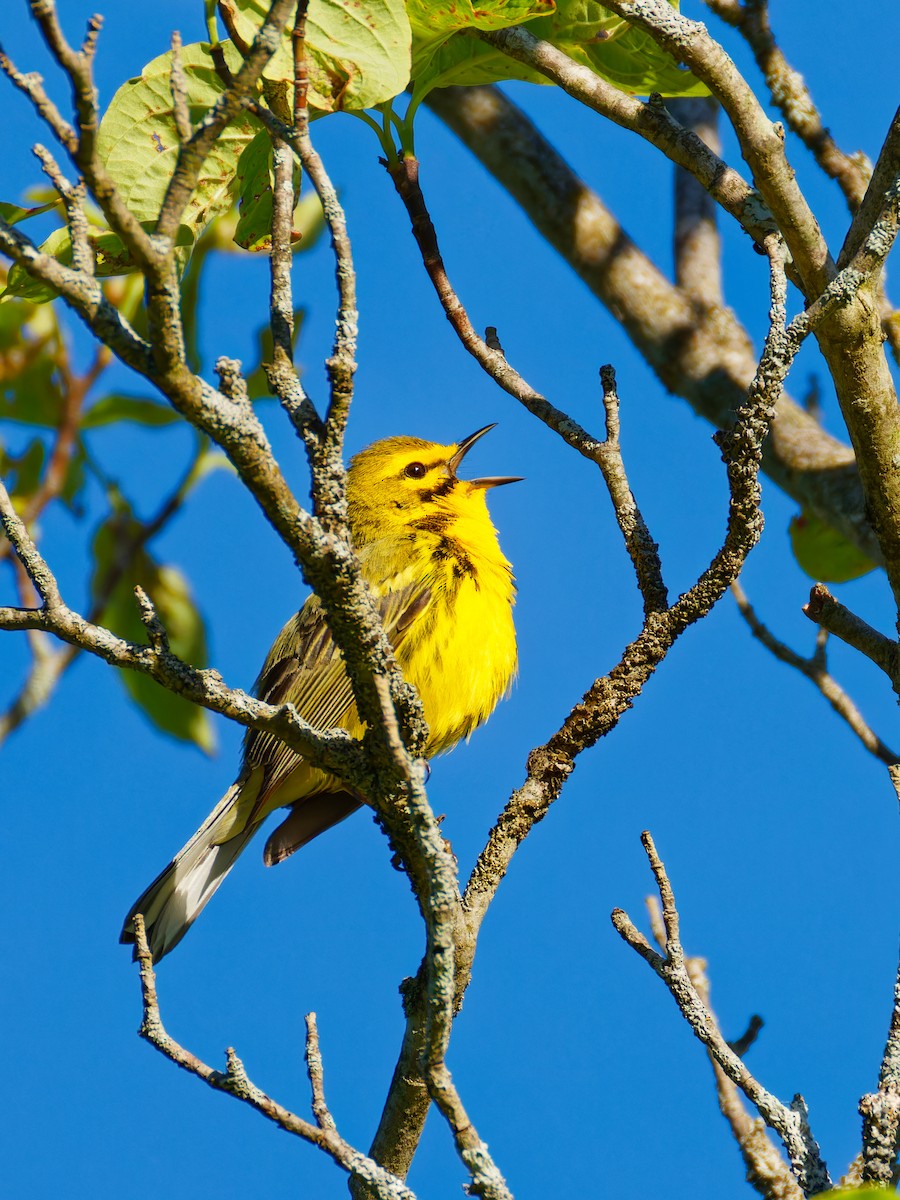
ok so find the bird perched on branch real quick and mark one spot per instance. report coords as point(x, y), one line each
point(445, 592)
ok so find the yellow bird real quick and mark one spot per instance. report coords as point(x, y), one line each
point(431, 558)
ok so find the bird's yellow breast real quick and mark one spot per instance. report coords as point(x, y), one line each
point(460, 653)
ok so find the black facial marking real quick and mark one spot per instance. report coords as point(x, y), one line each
point(446, 485)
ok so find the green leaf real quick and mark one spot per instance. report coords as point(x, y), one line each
point(823, 553)
point(357, 51)
point(440, 59)
point(589, 33)
point(32, 396)
point(873, 1192)
point(635, 63)
point(138, 140)
point(13, 213)
point(24, 471)
point(171, 594)
point(255, 182)
point(20, 284)
point(121, 407)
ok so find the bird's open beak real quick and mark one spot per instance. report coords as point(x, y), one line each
point(463, 448)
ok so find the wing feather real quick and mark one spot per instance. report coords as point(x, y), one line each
point(305, 668)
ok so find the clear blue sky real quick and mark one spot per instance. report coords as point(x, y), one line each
point(779, 832)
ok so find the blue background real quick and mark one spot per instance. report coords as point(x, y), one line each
point(779, 831)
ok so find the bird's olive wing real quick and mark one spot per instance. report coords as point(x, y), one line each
point(305, 668)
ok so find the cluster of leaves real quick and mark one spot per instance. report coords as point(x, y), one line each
point(361, 55)
point(53, 442)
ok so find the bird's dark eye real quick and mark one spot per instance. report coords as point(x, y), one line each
point(416, 470)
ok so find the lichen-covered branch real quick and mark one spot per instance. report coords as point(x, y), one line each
point(761, 143)
point(880, 1110)
point(792, 97)
point(336, 748)
point(706, 356)
point(789, 1122)
point(321, 1131)
point(851, 339)
point(608, 699)
point(766, 1171)
point(651, 121)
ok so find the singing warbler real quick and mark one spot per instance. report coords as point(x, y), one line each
point(445, 593)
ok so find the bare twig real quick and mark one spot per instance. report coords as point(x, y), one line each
point(644, 552)
point(830, 614)
point(706, 357)
point(767, 1172)
point(815, 669)
point(762, 144)
point(789, 1122)
point(235, 1081)
point(792, 97)
point(179, 89)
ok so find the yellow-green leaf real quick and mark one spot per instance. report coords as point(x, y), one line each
point(823, 553)
point(171, 594)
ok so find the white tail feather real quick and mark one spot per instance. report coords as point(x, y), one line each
point(171, 904)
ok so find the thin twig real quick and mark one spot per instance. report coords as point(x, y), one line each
point(792, 97)
point(788, 1121)
point(179, 89)
point(815, 669)
point(767, 1172)
point(642, 549)
point(705, 356)
point(235, 1082)
point(830, 614)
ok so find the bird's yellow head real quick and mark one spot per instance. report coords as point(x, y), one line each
point(398, 483)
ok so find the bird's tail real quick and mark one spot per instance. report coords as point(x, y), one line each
point(177, 896)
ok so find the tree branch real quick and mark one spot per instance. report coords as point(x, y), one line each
point(235, 1082)
point(881, 1110)
point(816, 671)
point(792, 97)
point(788, 1122)
point(705, 357)
point(762, 144)
point(830, 614)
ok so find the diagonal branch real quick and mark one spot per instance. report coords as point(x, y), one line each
point(761, 143)
point(596, 715)
point(815, 669)
point(651, 121)
point(321, 1132)
point(706, 357)
point(792, 97)
point(788, 1122)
